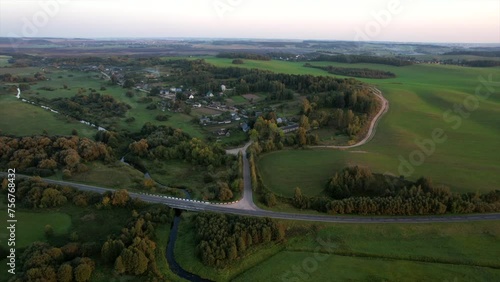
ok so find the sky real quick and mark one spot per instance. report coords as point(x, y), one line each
point(467, 21)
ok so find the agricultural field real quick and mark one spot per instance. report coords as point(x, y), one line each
point(422, 98)
point(379, 252)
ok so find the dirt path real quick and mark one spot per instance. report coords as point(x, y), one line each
point(373, 124)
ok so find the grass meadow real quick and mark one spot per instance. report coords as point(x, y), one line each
point(340, 268)
point(23, 119)
point(124, 176)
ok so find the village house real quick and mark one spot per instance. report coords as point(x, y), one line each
point(245, 127)
point(290, 128)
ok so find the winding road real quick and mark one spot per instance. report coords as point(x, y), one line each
point(245, 206)
point(373, 124)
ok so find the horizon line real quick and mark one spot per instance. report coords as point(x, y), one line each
point(253, 38)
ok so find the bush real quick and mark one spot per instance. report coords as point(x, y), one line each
point(48, 230)
point(162, 117)
point(152, 107)
point(38, 172)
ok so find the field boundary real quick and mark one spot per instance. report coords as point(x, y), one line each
point(385, 257)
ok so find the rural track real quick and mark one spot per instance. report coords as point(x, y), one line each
point(246, 207)
point(373, 125)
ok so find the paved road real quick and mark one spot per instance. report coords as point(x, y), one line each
point(253, 210)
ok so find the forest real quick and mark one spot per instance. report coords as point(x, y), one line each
point(222, 239)
point(42, 155)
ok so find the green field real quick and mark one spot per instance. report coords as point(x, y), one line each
point(30, 226)
point(238, 100)
point(363, 252)
point(177, 174)
point(124, 176)
point(419, 96)
point(338, 268)
point(22, 119)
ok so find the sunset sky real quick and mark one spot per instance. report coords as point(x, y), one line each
point(475, 21)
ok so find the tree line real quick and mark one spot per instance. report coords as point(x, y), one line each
point(222, 239)
point(355, 59)
point(243, 55)
point(355, 72)
point(14, 78)
point(356, 190)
